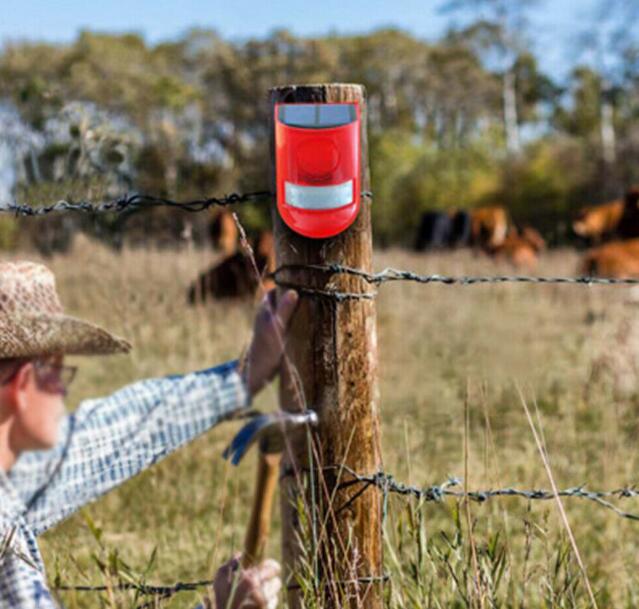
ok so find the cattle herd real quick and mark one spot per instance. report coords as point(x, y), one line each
point(487, 229)
point(611, 231)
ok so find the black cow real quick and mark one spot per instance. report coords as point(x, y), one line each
point(628, 227)
point(440, 230)
point(461, 231)
point(434, 231)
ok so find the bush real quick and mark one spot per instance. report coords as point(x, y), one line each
point(546, 185)
point(8, 233)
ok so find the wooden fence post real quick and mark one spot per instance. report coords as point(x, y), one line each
point(332, 350)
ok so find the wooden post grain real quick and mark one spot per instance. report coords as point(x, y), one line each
point(332, 350)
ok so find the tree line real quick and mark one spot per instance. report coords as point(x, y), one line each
point(467, 120)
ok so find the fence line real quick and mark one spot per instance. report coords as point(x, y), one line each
point(393, 275)
point(130, 202)
point(383, 481)
point(388, 485)
point(438, 492)
point(390, 274)
point(145, 589)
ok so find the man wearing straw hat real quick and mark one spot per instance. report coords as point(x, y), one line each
point(51, 464)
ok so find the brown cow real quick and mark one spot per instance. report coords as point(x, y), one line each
point(521, 248)
point(619, 218)
point(533, 236)
point(597, 222)
point(235, 276)
point(615, 259)
point(224, 233)
point(489, 227)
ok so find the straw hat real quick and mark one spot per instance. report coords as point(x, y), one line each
point(32, 321)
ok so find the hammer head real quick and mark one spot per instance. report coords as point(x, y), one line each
point(270, 430)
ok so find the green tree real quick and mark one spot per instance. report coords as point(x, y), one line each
point(498, 35)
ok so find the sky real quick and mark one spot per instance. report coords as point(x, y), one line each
point(554, 23)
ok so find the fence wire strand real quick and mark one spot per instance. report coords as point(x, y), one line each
point(134, 201)
point(438, 492)
point(145, 589)
point(391, 275)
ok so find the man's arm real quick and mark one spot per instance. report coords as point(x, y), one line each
point(109, 440)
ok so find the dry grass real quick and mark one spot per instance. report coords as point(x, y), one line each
point(572, 349)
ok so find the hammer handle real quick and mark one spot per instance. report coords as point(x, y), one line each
point(260, 523)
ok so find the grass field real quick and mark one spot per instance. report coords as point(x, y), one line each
point(571, 349)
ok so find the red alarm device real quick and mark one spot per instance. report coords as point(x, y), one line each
point(317, 149)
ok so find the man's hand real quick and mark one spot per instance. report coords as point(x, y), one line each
point(269, 330)
point(254, 588)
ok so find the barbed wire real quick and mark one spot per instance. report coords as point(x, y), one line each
point(386, 483)
point(165, 592)
point(145, 589)
point(438, 492)
point(391, 274)
point(134, 201)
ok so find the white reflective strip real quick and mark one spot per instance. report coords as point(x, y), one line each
point(319, 197)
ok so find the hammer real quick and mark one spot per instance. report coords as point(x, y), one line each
point(270, 431)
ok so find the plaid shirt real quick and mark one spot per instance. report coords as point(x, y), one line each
point(103, 443)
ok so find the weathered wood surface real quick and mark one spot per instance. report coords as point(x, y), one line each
point(333, 348)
